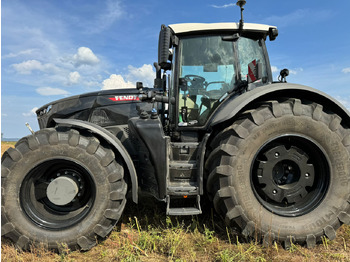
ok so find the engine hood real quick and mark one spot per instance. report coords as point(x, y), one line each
point(106, 107)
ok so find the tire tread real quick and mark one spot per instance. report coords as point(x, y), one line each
point(92, 146)
point(217, 173)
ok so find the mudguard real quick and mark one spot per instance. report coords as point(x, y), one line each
point(111, 140)
point(231, 107)
point(150, 131)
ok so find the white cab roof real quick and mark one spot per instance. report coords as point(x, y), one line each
point(195, 27)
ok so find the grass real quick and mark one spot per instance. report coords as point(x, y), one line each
point(146, 234)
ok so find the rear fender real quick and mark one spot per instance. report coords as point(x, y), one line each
point(233, 107)
point(112, 140)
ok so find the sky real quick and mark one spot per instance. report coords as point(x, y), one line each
point(59, 48)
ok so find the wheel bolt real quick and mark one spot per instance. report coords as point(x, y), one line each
point(307, 175)
point(277, 154)
point(274, 191)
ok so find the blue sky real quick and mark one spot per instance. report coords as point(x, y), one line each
point(54, 49)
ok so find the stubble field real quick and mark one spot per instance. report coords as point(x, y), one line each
point(145, 233)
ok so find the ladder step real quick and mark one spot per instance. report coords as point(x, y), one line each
point(185, 211)
point(182, 171)
point(183, 165)
point(182, 190)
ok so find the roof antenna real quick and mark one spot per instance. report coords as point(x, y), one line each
point(241, 3)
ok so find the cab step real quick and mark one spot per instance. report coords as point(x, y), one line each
point(182, 190)
point(185, 210)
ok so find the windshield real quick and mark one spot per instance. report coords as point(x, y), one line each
point(208, 72)
point(207, 67)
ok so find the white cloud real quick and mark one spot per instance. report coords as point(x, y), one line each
point(73, 77)
point(346, 70)
point(112, 13)
point(144, 74)
point(117, 82)
point(106, 18)
point(295, 71)
point(27, 67)
point(49, 91)
point(20, 53)
point(298, 17)
point(85, 56)
point(345, 101)
point(92, 83)
point(223, 6)
point(274, 69)
point(31, 112)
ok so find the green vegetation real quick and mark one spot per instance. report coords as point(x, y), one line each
point(146, 234)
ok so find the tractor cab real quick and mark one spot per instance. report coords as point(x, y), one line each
point(209, 63)
point(200, 68)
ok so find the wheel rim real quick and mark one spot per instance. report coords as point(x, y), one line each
point(37, 194)
point(290, 175)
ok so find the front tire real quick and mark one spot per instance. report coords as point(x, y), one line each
point(60, 187)
point(282, 172)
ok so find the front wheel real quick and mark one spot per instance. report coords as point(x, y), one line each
point(60, 187)
point(282, 171)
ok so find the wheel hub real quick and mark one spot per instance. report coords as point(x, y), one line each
point(285, 174)
point(57, 193)
point(290, 175)
point(62, 190)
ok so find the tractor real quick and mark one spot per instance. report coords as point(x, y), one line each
point(272, 157)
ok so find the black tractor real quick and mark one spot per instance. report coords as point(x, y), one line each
point(273, 157)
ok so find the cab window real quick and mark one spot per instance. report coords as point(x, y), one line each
point(207, 73)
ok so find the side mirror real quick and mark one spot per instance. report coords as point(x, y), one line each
point(273, 33)
point(163, 48)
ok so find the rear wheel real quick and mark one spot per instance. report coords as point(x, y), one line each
point(60, 187)
point(282, 172)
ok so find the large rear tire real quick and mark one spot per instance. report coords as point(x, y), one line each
point(60, 187)
point(282, 172)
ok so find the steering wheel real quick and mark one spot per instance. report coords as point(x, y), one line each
point(193, 78)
